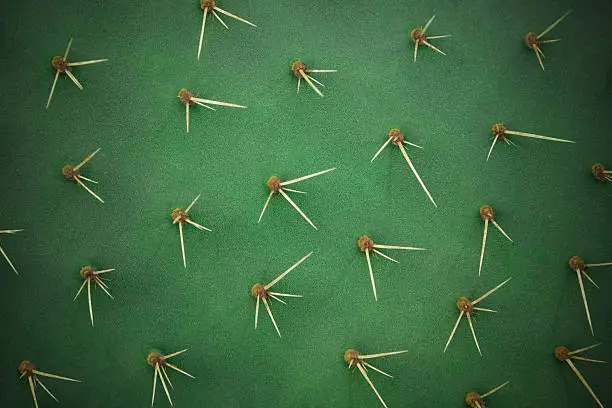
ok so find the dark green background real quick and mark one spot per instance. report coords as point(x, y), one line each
point(543, 193)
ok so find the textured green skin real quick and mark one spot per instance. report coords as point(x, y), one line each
point(543, 194)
